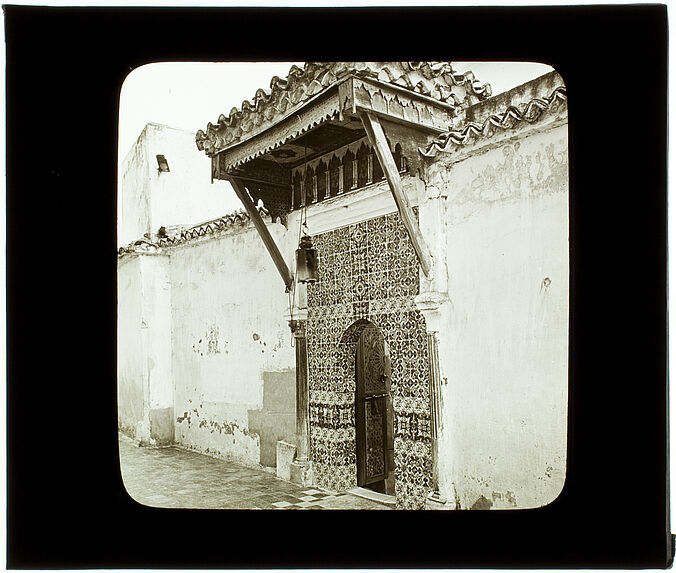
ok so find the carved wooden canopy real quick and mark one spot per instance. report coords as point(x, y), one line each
point(308, 126)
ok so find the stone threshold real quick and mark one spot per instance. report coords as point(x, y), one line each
point(372, 495)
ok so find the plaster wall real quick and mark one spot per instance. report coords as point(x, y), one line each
point(233, 363)
point(156, 322)
point(185, 194)
point(133, 201)
point(150, 199)
point(145, 391)
point(131, 359)
point(504, 337)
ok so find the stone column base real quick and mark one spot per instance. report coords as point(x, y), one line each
point(301, 472)
point(435, 501)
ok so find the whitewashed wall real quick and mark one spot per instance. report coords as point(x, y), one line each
point(233, 363)
point(504, 338)
point(150, 199)
point(131, 360)
point(145, 390)
point(133, 200)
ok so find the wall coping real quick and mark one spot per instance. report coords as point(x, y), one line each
point(541, 109)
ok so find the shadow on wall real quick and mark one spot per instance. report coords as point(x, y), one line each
point(277, 419)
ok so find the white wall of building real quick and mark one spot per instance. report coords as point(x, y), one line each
point(504, 341)
point(157, 327)
point(133, 199)
point(150, 199)
point(131, 360)
point(231, 347)
point(145, 389)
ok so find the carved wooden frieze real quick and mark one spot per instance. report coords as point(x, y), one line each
point(275, 200)
point(315, 113)
point(404, 105)
point(352, 166)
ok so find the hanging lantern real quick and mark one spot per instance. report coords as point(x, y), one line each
point(306, 261)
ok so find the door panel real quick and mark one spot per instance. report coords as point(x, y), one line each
point(375, 439)
point(371, 403)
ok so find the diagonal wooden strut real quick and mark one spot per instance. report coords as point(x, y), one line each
point(377, 139)
point(263, 231)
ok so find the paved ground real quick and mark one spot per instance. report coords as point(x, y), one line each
point(173, 477)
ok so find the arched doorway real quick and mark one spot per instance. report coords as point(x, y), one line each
point(373, 412)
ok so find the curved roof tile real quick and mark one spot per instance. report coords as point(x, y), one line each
point(147, 245)
point(530, 113)
point(433, 79)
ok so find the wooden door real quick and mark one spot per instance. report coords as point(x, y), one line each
point(372, 401)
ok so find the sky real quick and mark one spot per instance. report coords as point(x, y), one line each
point(188, 95)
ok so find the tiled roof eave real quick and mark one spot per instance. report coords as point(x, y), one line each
point(209, 228)
point(278, 121)
point(316, 77)
point(337, 113)
point(203, 139)
point(270, 142)
point(532, 112)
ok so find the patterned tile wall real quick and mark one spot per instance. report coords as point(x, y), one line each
point(368, 273)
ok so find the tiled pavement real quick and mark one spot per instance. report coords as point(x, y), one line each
point(173, 477)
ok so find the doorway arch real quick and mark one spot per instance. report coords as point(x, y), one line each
point(332, 346)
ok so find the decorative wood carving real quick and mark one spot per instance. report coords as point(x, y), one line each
point(321, 181)
point(434, 82)
point(351, 167)
point(409, 140)
point(275, 200)
point(348, 167)
point(307, 184)
point(390, 101)
point(297, 190)
point(375, 166)
point(362, 166)
point(334, 176)
point(268, 182)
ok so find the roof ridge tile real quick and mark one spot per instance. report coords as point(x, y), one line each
point(530, 113)
point(147, 245)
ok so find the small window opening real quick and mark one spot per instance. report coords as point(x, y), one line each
point(162, 165)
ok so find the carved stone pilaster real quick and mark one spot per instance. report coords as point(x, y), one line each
point(433, 306)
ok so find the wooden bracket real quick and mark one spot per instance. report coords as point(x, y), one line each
point(263, 231)
point(377, 139)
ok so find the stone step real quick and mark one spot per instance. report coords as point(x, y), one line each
point(372, 495)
